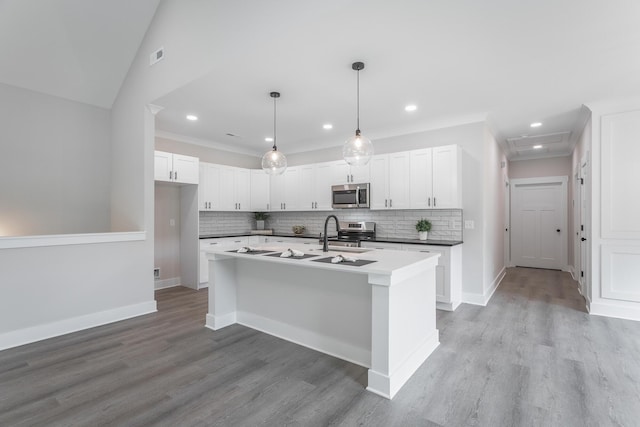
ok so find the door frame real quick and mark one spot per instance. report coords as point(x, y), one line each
point(564, 220)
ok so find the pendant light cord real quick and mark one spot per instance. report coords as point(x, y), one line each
point(358, 104)
point(274, 124)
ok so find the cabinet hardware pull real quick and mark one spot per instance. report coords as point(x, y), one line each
point(347, 177)
point(434, 202)
point(175, 176)
point(170, 175)
point(385, 203)
point(351, 177)
point(428, 201)
point(390, 203)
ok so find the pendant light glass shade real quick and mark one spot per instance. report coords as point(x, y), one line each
point(358, 149)
point(273, 161)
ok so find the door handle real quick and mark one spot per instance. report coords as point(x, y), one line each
point(583, 239)
point(558, 230)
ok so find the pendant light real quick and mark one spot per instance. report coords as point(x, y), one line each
point(273, 161)
point(358, 149)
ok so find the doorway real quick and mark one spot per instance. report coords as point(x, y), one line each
point(539, 222)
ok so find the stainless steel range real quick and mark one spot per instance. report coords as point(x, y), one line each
point(351, 233)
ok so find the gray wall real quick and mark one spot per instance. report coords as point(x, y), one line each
point(55, 162)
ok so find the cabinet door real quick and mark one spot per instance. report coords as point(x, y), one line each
point(185, 169)
point(292, 189)
point(307, 197)
point(379, 182)
point(442, 283)
point(203, 203)
point(322, 185)
point(162, 167)
point(260, 190)
point(399, 180)
point(360, 174)
point(447, 177)
point(227, 190)
point(420, 183)
point(242, 188)
point(277, 192)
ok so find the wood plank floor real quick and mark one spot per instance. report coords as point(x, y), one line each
point(532, 357)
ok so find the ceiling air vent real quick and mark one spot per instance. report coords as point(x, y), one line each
point(156, 56)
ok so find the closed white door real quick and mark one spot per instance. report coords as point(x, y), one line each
point(539, 237)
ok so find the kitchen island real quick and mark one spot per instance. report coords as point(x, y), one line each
point(380, 315)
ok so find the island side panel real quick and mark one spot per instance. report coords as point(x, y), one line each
point(404, 329)
point(326, 310)
point(222, 292)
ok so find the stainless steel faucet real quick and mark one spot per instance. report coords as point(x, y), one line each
point(325, 242)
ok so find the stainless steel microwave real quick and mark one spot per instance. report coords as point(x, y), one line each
point(349, 196)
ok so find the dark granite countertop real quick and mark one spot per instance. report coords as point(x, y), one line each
point(315, 236)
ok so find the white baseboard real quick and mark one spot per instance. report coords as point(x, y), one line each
point(483, 300)
point(166, 283)
point(219, 322)
point(628, 311)
point(74, 324)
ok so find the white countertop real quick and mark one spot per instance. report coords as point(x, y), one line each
point(388, 261)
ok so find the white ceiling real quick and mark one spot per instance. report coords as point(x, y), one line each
point(510, 62)
point(74, 49)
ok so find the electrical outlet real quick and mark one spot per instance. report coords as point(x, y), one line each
point(469, 224)
point(172, 222)
point(156, 273)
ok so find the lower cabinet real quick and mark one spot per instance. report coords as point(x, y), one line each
point(448, 274)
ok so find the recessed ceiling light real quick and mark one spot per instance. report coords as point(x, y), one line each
point(327, 126)
point(268, 139)
point(410, 108)
point(192, 117)
point(537, 146)
point(536, 125)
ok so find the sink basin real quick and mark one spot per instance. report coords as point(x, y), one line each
point(344, 249)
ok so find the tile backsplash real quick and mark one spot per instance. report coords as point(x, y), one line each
point(446, 223)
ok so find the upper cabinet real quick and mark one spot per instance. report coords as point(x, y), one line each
point(235, 184)
point(389, 177)
point(285, 191)
point(209, 187)
point(343, 173)
point(436, 176)
point(315, 186)
point(260, 190)
point(170, 167)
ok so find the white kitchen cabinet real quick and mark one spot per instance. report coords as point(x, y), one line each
point(170, 167)
point(448, 273)
point(435, 178)
point(344, 173)
point(260, 190)
point(285, 190)
point(209, 187)
point(390, 177)
point(275, 240)
point(235, 187)
point(447, 177)
point(315, 186)
point(225, 243)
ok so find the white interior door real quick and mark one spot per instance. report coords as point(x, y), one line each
point(539, 222)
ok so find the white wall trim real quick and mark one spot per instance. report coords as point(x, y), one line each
point(628, 311)
point(483, 300)
point(205, 143)
point(69, 239)
point(74, 324)
point(166, 283)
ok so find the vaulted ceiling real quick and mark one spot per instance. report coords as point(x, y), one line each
point(507, 62)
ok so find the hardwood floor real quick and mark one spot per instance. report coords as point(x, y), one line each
point(531, 357)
